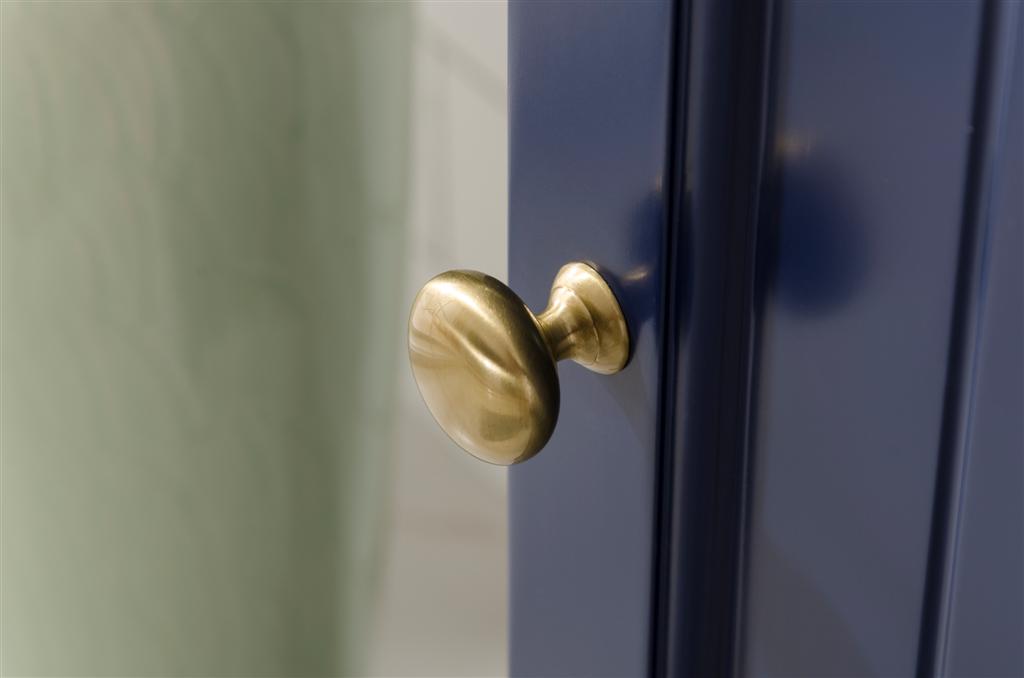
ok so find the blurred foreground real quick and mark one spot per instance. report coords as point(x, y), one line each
point(213, 217)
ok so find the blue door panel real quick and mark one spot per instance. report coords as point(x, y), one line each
point(812, 215)
point(871, 135)
point(589, 106)
point(986, 616)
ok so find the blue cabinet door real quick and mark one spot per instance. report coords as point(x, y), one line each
point(812, 215)
point(590, 108)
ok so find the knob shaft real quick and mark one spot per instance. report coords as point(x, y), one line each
point(485, 364)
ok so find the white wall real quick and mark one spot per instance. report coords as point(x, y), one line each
point(443, 610)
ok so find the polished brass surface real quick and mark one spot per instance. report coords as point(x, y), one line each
point(485, 364)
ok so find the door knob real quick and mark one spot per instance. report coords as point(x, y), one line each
point(485, 364)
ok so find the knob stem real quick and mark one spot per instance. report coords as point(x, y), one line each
point(583, 321)
point(568, 329)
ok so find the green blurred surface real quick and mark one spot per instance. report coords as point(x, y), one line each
point(202, 240)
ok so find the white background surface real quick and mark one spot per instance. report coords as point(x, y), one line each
point(443, 605)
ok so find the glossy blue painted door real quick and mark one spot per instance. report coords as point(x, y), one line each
point(589, 112)
point(812, 212)
point(886, 122)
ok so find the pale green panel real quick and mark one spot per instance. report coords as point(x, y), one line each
point(202, 214)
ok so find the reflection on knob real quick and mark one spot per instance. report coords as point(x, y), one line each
point(485, 365)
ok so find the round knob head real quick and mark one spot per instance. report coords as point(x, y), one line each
point(483, 367)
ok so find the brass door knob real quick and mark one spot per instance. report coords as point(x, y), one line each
point(485, 365)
